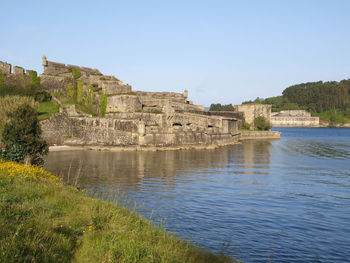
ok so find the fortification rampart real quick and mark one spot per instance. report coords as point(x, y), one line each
point(7, 69)
point(61, 129)
point(252, 111)
point(294, 118)
point(54, 68)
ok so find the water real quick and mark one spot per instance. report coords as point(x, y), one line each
point(282, 200)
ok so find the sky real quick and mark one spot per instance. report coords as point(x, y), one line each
point(220, 51)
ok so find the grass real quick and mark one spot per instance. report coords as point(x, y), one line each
point(45, 220)
point(46, 109)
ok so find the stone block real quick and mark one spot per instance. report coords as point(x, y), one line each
point(18, 70)
point(123, 103)
point(5, 68)
point(112, 87)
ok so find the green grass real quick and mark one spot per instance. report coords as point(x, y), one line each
point(46, 109)
point(44, 220)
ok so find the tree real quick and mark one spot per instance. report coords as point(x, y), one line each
point(21, 138)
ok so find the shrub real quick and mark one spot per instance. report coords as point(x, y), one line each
point(22, 137)
point(34, 79)
point(71, 92)
point(2, 79)
point(261, 124)
point(42, 96)
point(90, 96)
point(9, 104)
point(245, 126)
point(79, 92)
point(103, 104)
point(76, 73)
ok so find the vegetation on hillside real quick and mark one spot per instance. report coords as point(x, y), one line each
point(80, 94)
point(26, 89)
point(44, 220)
point(328, 100)
point(23, 86)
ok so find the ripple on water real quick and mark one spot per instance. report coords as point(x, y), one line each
point(284, 200)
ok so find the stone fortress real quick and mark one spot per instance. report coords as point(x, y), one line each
point(133, 118)
point(136, 118)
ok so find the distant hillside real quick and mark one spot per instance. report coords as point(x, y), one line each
point(328, 100)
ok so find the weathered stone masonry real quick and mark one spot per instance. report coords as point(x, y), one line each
point(294, 118)
point(161, 119)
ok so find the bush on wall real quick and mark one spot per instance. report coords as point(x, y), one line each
point(262, 124)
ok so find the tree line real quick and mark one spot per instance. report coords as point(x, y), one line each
point(316, 97)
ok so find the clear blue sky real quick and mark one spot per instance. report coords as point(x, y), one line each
point(221, 51)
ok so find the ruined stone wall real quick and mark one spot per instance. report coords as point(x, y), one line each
point(5, 68)
point(54, 68)
point(291, 121)
point(294, 118)
point(63, 130)
point(165, 99)
point(252, 111)
point(123, 103)
point(133, 118)
point(60, 129)
point(292, 113)
point(15, 70)
point(258, 135)
point(15, 75)
point(57, 76)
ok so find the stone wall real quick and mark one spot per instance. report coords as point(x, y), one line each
point(60, 129)
point(15, 75)
point(292, 113)
point(54, 68)
point(165, 119)
point(15, 70)
point(295, 121)
point(63, 130)
point(123, 103)
point(252, 111)
point(253, 135)
point(294, 118)
point(5, 68)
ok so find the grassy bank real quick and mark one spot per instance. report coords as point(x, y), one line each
point(44, 220)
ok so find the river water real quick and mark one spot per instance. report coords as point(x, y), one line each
point(282, 200)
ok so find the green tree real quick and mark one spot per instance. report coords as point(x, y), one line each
point(219, 107)
point(21, 138)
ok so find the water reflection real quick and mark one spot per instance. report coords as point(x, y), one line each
point(111, 169)
point(282, 200)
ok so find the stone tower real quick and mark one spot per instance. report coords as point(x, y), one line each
point(44, 61)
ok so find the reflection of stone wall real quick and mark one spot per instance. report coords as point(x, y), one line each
point(294, 118)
